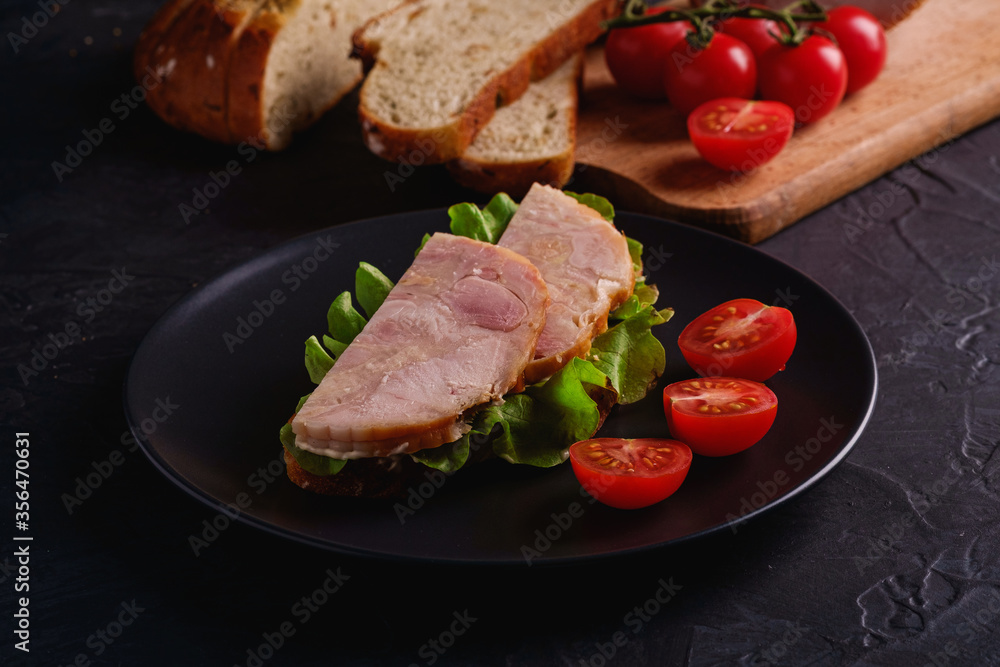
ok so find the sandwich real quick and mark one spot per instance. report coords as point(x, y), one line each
point(495, 343)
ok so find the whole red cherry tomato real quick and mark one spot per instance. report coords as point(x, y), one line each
point(758, 34)
point(636, 56)
point(724, 68)
point(810, 77)
point(861, 38)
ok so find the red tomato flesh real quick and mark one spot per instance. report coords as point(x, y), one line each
point(740, 338)
point(628, 474)
point(719, 416)
point(740, 135)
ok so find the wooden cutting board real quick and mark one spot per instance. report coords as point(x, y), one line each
point(941, 79)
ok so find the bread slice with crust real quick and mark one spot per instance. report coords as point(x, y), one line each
point(439, 69)
point(532, 140)
point(251, 70)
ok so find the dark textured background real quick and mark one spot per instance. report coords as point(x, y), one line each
point(893, 559)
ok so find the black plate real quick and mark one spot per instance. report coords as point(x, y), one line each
point(218, 375)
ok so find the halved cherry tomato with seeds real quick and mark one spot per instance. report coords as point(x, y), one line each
point(719, 416)
point(740, 135)
point(629, 474)
point(740, 338)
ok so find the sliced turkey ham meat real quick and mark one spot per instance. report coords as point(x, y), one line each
point(586, 265)
point(456, 332)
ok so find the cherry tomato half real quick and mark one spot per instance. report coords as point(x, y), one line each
point(740, 135)
point(724, 68)
point(629, 474)
point(740, 338)
point(811, 78)
point(758, 34)
point(862, 40)
point(636, 56)
point(719, 416)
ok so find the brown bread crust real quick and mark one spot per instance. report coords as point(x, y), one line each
point(193, 58)
point(246, 78)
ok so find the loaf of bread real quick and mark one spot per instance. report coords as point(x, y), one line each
point(439, 69)
point(532, 140)
point(251, 70)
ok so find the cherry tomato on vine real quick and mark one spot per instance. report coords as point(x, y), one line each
point(740, 338)
point(740, 135)
point(758, 34)
point(724, 68)
point(811, 77)
point(636, 56)
point(862, 40)
point(629, 474)
point(719, 416)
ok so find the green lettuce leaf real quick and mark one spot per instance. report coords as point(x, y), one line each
point(596, 202)
point(630, 355)
point(314, 463)
point(447, 458)
point(335, 347)
point(343, 320)
point(644, 295)
point(371, 286)
point(635, 252)
point(318, 362)
point(487, 224)
point(540, 424)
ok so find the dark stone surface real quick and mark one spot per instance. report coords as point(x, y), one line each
point(893, 559)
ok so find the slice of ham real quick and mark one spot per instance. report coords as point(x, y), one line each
point(586, 265)
point(455, 333)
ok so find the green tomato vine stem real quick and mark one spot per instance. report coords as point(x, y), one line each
point(703, 17)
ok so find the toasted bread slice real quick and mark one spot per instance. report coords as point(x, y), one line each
point(439, 69)
point(532, 140)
